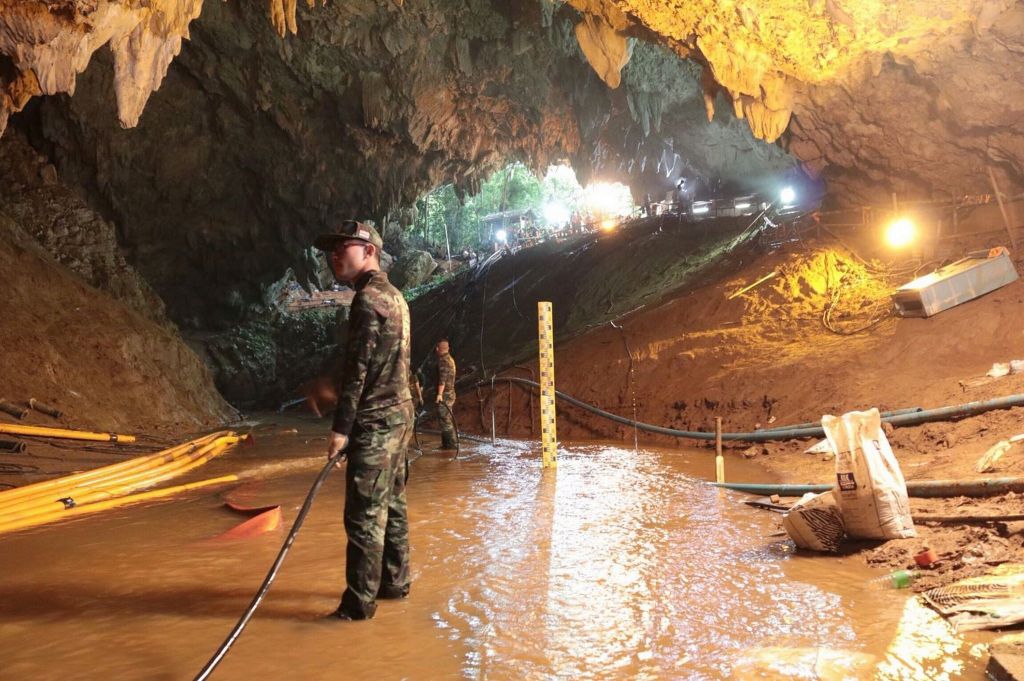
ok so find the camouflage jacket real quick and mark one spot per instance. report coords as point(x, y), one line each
point(375, 378)
point(446, 375)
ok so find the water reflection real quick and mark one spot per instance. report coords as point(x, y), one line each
point(924, 647)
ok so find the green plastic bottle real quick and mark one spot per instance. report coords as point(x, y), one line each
point(897, 579)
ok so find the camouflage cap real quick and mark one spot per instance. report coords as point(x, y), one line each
point(349, 230)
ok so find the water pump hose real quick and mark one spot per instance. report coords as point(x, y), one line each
point(271, 574)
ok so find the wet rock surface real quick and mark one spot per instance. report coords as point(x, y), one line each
point(261, 363)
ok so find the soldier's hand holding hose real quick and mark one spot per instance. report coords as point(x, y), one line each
point(335, 443)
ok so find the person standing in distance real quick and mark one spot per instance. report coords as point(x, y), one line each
point(445, 393)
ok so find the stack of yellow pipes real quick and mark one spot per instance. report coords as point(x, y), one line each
point(110, 486)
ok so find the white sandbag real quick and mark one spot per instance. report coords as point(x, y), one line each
point(870, 490)
point(822, 447)
point(815, 523)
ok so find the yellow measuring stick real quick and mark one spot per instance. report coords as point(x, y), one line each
point(549, 440)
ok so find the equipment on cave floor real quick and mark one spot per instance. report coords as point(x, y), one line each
point(871, 493)
point(16, 446)
point(815, 522)
point(921, 489)
point(35, 404)
point(64, 433)
point(998, 370)
point(996, 452)
point(991, 601)
point(13, 409)
point(966, 279)
point(110, 486)
point(261, 519)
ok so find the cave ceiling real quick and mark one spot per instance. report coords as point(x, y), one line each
point(220, 136)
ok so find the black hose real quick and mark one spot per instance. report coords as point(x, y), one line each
point(909, 417)
point(16, 446)
point(271, 574)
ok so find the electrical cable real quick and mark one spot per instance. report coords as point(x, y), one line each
point(218, 656)
point(515, 305)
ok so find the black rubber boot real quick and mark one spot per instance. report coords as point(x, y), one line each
point(391, 592)
point(351, 608)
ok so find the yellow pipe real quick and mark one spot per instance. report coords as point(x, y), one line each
point(23, 523)
point(39, 431)
point(168, 464)
point(97, 474)
point(85, 492)
point(144, 468)
point(88, 497)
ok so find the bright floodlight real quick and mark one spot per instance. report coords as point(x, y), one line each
point(556, 213)
point(607, 199)
point(608, 224)
point(787, 195)
point(900, 233)
point(501, 235)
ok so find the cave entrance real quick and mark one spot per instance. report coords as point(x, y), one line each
point(515, 208)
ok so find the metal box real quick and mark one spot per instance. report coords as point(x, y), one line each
point(946, 287)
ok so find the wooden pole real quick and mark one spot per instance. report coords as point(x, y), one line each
point(755, 284)
point(1002, 209)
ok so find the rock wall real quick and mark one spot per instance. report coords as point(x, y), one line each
point(253, 142)
point(868, 92)
point(916, 97)
point(76, 235)
point(47, 44)
point(92, 356)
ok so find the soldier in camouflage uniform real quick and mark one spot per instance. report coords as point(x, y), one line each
point(373, 423)
point(416, 390)
point(445, 394)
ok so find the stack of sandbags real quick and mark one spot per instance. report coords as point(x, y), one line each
point(869, 500)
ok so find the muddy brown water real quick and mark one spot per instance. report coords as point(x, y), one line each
point(619, 565)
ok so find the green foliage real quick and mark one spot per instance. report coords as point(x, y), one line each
point(514, 187)
point(412, 294)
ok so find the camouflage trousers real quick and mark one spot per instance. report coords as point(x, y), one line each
point(376, 517)
point(446, 422)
